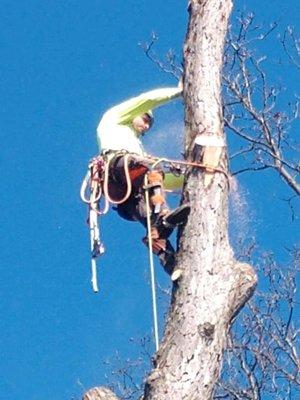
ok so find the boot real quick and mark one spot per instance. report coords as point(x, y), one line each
point(172, 219)
point(167, 258)
point(163, 249)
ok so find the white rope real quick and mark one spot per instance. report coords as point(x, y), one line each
point(95, 238)
point(83, 187)
point(151, 263)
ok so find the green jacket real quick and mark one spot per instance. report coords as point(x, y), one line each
point(115, 131)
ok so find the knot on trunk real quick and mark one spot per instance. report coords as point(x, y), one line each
point(206, 331)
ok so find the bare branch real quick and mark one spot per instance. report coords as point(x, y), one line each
point(170, 65)
point(291, 45)
point(249, 169)
point(262, 357)
point(250, 105)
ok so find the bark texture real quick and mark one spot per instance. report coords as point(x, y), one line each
point(99, 393)
point(213, 286)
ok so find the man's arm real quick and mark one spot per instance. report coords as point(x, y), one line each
point(128, 110)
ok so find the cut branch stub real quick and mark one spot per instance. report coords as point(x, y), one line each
point(211, 149)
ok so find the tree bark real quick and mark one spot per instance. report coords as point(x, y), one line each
point(99, 393)
point(213, 285)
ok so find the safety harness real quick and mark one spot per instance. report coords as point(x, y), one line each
point(95, 193)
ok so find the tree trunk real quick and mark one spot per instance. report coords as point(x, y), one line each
point(99, 393)
point(213, 285)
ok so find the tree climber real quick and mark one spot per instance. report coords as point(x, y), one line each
point(118, 134)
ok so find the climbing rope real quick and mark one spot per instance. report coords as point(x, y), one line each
point(151, 264)
point(206, 167)
point(97, 247)
point(97, 181)
point(97, 178)
point(106, 180)
point(93, 180)
point(99, 184)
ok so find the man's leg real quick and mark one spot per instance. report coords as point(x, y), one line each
point(157, 195)
point(163, 221)
point(118, 184)
point(163, 249)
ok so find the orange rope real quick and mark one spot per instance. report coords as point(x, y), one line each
point(208, 168)
point(97, 188)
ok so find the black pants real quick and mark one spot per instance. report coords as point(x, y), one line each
point(134, 208)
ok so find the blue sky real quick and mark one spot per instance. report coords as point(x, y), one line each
point(63, 64)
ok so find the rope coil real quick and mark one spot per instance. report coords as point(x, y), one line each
point(97, 181)
point(106, 180)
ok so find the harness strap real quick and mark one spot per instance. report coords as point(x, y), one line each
point(97, 178)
